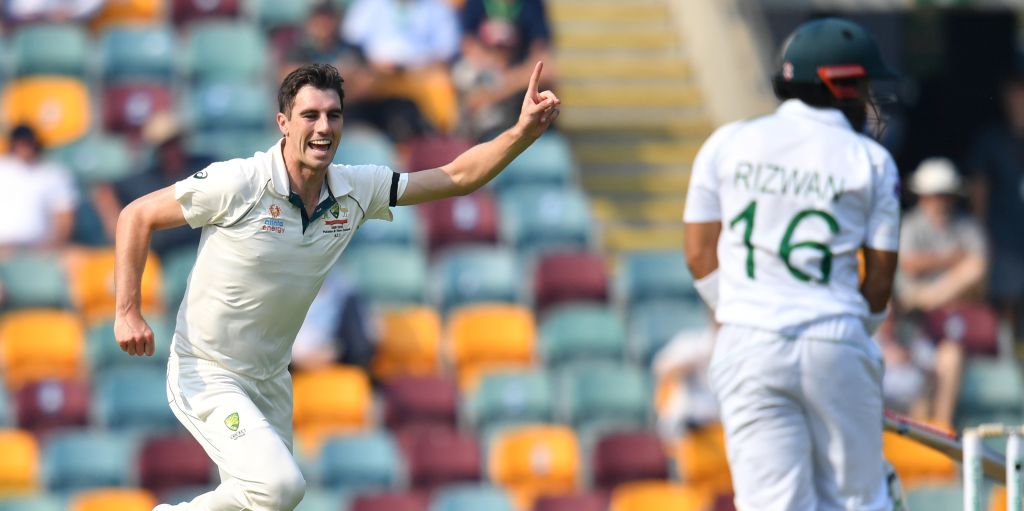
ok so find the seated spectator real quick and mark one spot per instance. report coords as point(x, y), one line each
point(41, 196)
point(942, 271)
point(908, 359)
point(502, 40)
point(338, 329)
point(21, 11)
point(684, 400)
point(171, 163)
point(321, 42)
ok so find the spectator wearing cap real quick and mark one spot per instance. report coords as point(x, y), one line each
point(942, 269)
point(41, 196)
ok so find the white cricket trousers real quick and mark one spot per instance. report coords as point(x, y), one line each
point(802, 417)
point(245, 426)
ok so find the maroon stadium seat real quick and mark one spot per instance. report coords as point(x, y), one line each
point(628, 456)
point(595, 501)
point(433, 151)
point(406, 501)
point(46, 405)
point(185, 11)
point(724, 502)
point(975, 325)
point(167, 463)
point(568, 277)
point(439, 456)
point(127, 106)
point(469, 219)
point(420, 400)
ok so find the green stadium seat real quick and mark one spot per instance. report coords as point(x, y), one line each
point(33, 279)
point(88, 229)
point(536, 219)
point(176, 265)
point(364, 146)
point(510, 397)
point(404, 230)
point(472, 497)
point(319, 499)
point(133, 399)
point(138, 52)
point(6, 410)
point(219, 50)
point(936, 498)
point(474, 274)
point(104, 354)
point(359, 462)
point(582, 332)
point(97, 158)
point(653, 324)
point(548, 161)
point(655, 275)
point(77, 460)
point(232, 105)
point(388, 275)
point(50, 49)
point(596, 393)
point(990, 390)
point(227, 144)
point(273, 14)
point(33, 503)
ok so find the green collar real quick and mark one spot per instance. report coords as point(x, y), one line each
point(318, 212)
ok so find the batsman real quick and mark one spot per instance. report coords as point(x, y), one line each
point(777, 209)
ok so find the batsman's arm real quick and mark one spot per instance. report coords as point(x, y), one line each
point(135, 226)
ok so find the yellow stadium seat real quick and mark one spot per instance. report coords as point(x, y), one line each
point(92, 284)
point(702, 459)
point(330, 401)
point(56, 106)
point(997, 499)
point(410, 343)
point(536, 460)
point(915, 463)
point(113, 12)
point(109, 499)
point(41, 343)
point(659, 496)
point(432, 91)
point(19, 465)
point(486, 336)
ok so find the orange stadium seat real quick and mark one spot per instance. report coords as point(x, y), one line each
point(535, 460)
point(331, 400)
point(432, 91)
point(410, 343)
point(39, 344)
point(702, 459)
point(109, 499)
point(92, 284)
point(19, 465)
point(659, 496)
point(115, 12)
point(490, 336)
point(56, 106)
point(916, 463)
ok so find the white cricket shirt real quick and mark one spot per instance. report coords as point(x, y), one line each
point(257, 269)
point(798, 192)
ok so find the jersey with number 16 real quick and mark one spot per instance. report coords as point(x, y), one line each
point(798, 192)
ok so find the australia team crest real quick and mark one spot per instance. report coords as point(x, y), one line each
point(336, 221)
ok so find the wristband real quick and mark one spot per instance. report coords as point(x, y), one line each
point(874, 320)
point(707, 288)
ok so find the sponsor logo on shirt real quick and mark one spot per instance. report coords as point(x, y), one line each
point(274, 224)
point(337, 222)
point(275, 210)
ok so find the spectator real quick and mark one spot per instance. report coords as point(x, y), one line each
point(321, 42)
point(338, 328)
point(21, 11)
point(908, 359)
point(942, 271)
point(680, 371)
point(171, 163)
point(41, 196)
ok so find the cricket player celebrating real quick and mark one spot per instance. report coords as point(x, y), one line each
point(273, 225)
point(777, 209)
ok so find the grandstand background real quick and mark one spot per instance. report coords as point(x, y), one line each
point(516, 326)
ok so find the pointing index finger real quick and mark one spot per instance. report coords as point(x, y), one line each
point(534, 80)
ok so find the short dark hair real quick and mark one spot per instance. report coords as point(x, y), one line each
point(321, 76)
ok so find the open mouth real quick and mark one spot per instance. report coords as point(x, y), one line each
point(320, 145)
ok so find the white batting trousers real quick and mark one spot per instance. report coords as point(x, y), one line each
point(245, 426)
point(802, 417)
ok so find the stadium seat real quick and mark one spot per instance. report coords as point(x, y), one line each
point(433, 151)
point(581, 332)
point(365, 146)
point(56, 106)
point(976, 326)
point(133, 399)
point(387, 274)
point(76, 460)
point(461, 220)
point(43, 502)
point(321, 499)
point(47, 405)
point(420, 400)
point(655, 275)
point(659, 496)
point(127, 106)
point(49, 49)
point(34, 279)
point(572, 502)
point(97, 158)
point(510, 397)
point(6, 411)
point(227, 144)
point(330, 400)
point(23, 332)
point(567, 277)
point(628, 456)
point(176, 265)
point(535, 460)
point(128, 12)
point(472, 497)
point(360, 462)
point(403, 230)
point(488, 336)
point(224, 50)
point(92, 284)
point(437, 456)
point(108, 499)
point(990, 389)
point(538, 218)
point(103, 352)
point(468, 275)
point(936, 498)
point(231, 105)
point(19, 465)
point(189, 11)
point(916, 463)
point(409, 343)
point(274, 14)
point(170, 462)
point(431, 89)
point(408, 501)
point(138, 52)
point(654, 323)
point(597, 393)
point(702, 461)
point(548, 161)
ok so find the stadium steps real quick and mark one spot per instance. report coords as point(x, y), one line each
point(633, 113)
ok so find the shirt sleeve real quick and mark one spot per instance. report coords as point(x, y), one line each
point(378, 188)
point(216, 195)
point(883, 226)
point(702, 203)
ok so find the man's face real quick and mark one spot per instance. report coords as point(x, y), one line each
point(322, 28)
point(24, 150)
point(314, 128)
